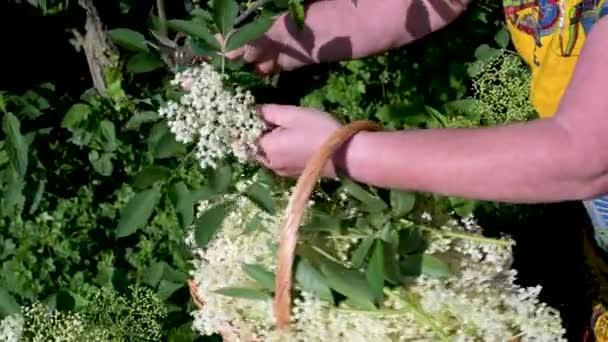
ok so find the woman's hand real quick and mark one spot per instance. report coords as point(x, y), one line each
point(297, 133)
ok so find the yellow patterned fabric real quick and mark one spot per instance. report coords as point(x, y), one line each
point(549, 39)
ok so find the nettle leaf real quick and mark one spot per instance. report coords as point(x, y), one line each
point(220, 178)
point(249, 32)
point(8, 304)
point(243, 292)
point(262, 197)
point(502, 38)
point(37, 196)
point(182, 201)
point(375, 271)
point(371, 202)
point(260, 274)
point(350, 283)
point(144, 62)
point(312, 280)
point(224, 14)
point(102, 163)
point(16, 145)
point(137, 212)
point(76, 116)
point(150, 175)
point(402, 202)
point(128, 39)
point(209, 223)
point(196, 30)
point(297, 13)
point(135, 121)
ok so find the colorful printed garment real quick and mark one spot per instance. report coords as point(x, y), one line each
point(549, 35)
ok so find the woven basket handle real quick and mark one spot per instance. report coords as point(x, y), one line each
point(295, 211)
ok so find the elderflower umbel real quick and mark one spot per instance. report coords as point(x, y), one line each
point(221, 122)
point(11, 328)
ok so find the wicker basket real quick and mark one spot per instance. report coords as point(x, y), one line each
point(293, 217)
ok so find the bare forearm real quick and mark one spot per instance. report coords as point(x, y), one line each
point(339, 30)
point(532, 162)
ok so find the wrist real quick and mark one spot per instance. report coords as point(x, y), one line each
point(350, 159)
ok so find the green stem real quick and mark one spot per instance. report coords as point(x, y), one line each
point(464, 236)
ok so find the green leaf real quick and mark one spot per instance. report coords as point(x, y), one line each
point(107, 131)
point(220, 178)
point(137, 212)
point(128, 39)
point(154, 273)
point(249, 33)
point(76, 116)
point(224, 14)
point(297, 13)
point(140, 118)
point(196, 30)
point(243, 292)
point(371, 202)
point(391, 263)
point(259, 273)
point(12, 194)
point(361, 252)
point(143, 63)
point(484, 52)
point(16, 145)
point(350, 283)
point(502, 38)
point(375, 271)
point(402, 202)
point(323, 222)
point(466, 107)
point(262, 197)
point(209, 223)
point(463, 207)
point(182, 201)
point(168, 288)
point(168, 147)
point(312, 280)
point(37, 196)
point(411, 241)
point(102, 164)
point(150, 175)
point(427, 264)
point(8, 304)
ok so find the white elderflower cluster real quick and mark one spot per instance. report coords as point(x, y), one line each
point(221, 122)
point(11, 328)
point(481, 302)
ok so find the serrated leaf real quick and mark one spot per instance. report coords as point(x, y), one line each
point(15, 143)
point(297, 13)
point(262, 197)
point(312, 280)
point(143, 63)
point(196, 30)
point(209, 223)
point(76, 116)
point(402, 202)
point(502, 38)
point(224, 14)
point(348, 282)
point(220, 178)
point(261, 275)
point(371, 202)
point(150, 175)
point(375, 271)
point(137, 212)
point(140, 118)
point(249, 33)
point(8, 304)
point(243, 292)
point(182, 201)
point(128, 39)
